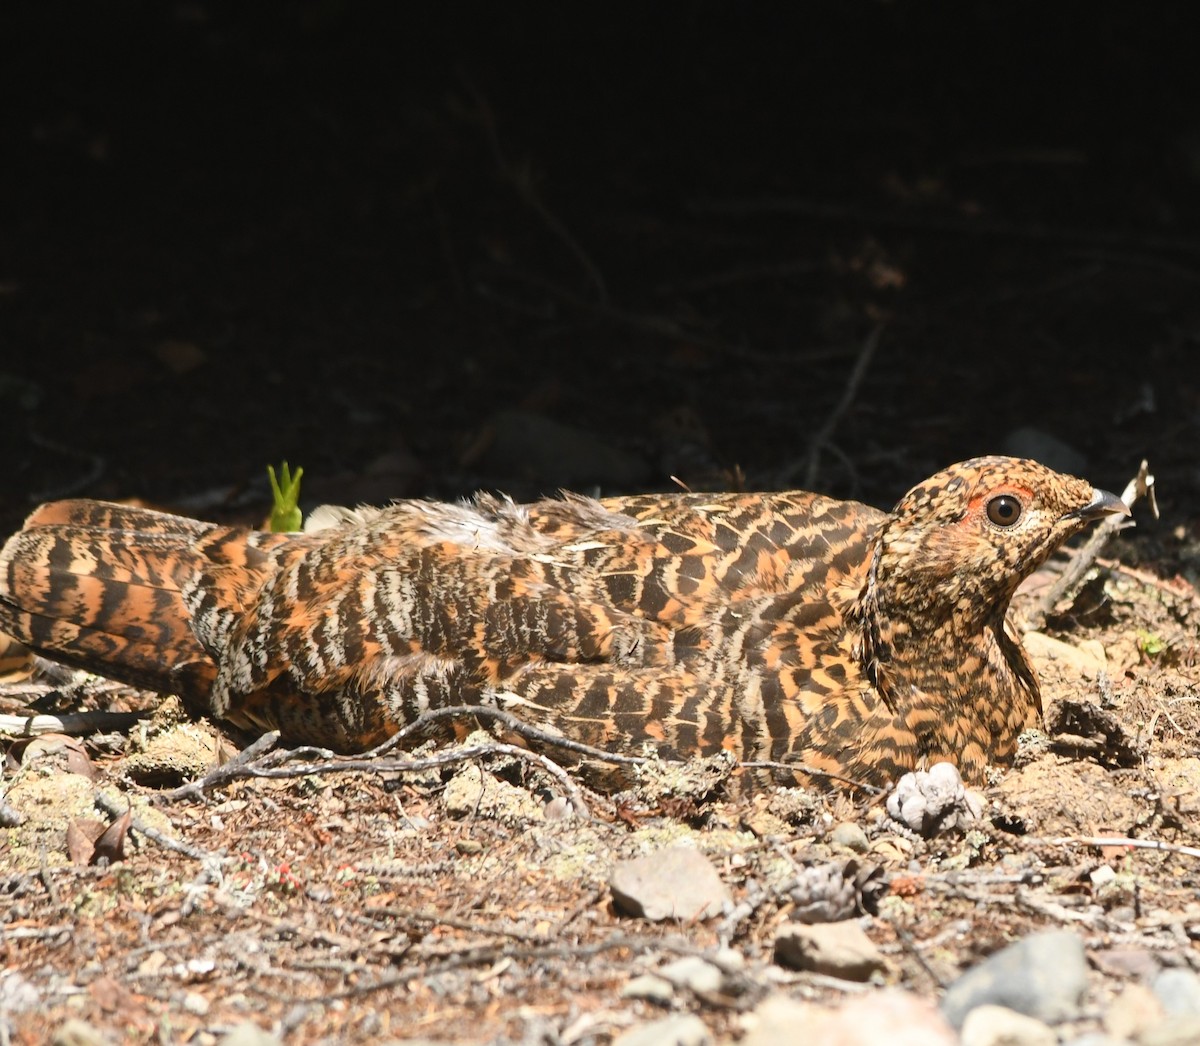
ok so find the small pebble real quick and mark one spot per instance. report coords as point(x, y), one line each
point(1030, 442)
point(558, 809)
point(196, 1004)
point(649, 987)
point(75, 1032)
point(249, 1034)
point(851, 836)
point(693, 973)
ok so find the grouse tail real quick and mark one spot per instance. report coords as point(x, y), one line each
point(99, 586)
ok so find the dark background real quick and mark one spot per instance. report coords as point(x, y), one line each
point(420, 249)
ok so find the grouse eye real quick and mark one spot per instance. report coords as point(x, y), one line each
point(1004, 510)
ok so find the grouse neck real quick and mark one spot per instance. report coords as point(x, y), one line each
point(916, 626)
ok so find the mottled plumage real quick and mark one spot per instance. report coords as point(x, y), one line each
point(782, 626)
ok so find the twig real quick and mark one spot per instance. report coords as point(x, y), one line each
point(1040, 906)
point(1176, 588)
point(273, 765)
point(1142, 485)
point(227, 771)
point(551, 740)
point(811, 461)
point(910, 945)
point(1116, 840)
point(651, 323)
point(476, 955)
point(415, 917)
point(114, 809)
point(47, 880)
point(514, 723)
point(76, 724)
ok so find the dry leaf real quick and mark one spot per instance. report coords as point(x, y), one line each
point(82, 834)
point(70, 752)
point(111, 845)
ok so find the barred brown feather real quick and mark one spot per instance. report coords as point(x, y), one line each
point(782, 626)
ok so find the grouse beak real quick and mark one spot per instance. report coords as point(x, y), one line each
point(1102, 504)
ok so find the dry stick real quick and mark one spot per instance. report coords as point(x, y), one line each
point(553, 740)
point(228, 771)
point(114, 809)
point(1142, 485)
point(478, 954)
point(514, 723)
point(75, 724)
point(1115, 840)
point(812, 458)
point(273, 766)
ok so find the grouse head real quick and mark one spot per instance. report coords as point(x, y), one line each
point(956, 546)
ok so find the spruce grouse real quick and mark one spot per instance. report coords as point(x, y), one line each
point(785, 626)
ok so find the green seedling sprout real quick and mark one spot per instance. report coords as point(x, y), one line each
point(285, 513)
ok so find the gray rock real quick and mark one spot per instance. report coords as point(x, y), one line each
point(675, 883)
point(1178, 991)
point(999, 1026)
point(837, 949)
point(1042, 976)
point(680, 1030)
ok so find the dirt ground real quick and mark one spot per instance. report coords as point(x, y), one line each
point(520, 250)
